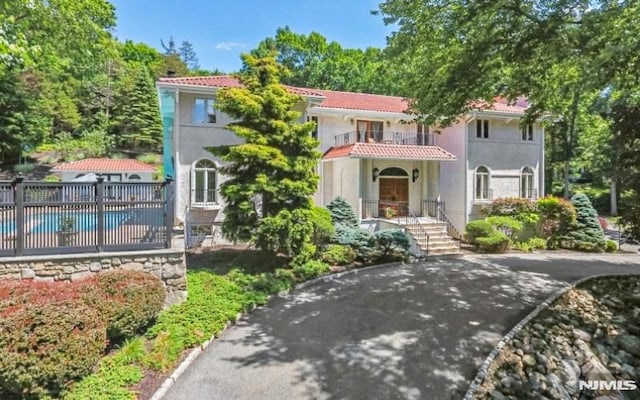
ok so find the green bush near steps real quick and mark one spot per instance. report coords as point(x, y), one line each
point(612, 246)
point(497, 242)
point(477, 229)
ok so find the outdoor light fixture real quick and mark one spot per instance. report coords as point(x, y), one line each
point(415, 174)
point(376, 174)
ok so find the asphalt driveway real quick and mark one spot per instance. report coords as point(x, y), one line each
point(416, 331)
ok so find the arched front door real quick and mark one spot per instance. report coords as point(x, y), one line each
point(394, 192)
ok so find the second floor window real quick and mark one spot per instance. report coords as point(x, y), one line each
point(527, 132)
point(204, 111)
point(482, 129)
point(369, 131)
point(482, 184)
point(314, 133)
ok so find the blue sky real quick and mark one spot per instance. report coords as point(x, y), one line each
point(221, 30)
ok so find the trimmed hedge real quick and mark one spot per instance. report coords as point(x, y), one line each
point(53, 333)
point(507, 225)
point(45, 346)
point(477, 229)
point(128, 300)
point(497, 242)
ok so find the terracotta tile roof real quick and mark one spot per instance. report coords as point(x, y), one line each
point(363, 101)
point(503, 105)
point(105, 164)
point(222, 81)
point(343, 100)
point(393, 151)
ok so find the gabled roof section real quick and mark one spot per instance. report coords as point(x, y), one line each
point(389, 151)
point(105, 164)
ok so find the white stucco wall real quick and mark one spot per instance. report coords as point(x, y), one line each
point(505, 154)
point(452, 173)
point(68, 176)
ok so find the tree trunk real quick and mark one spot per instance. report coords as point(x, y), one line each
point(614, 198)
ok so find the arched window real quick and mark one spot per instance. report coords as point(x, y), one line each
point(134, 177)
point(393, 171)
point(203, 182)
point(526, 183)
point(482, 183)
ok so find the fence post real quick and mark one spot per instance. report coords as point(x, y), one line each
point(100, 212)
point(18, 198)
point(169, 198)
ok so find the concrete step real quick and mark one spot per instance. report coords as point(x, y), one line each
point(443, 252)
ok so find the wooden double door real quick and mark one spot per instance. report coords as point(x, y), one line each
point(394, 193)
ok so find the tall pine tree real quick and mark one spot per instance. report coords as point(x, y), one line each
point(137, 119)
point(274, 170)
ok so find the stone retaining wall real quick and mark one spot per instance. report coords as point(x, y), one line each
point(167, 264)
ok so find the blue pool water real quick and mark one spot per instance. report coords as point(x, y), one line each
point(48, 223)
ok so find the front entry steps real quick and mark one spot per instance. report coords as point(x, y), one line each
point(439, 242)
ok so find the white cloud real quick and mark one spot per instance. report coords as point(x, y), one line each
point(230, 45)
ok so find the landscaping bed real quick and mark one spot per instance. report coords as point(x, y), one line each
point(592, 332)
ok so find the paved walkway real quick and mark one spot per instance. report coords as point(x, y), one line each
point(403, 332)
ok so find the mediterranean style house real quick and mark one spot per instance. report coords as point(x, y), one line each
point(393, 171)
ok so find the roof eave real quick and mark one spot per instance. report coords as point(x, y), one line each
point(359, 113)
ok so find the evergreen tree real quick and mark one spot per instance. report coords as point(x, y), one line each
point(274, 170)
point(137, 119)
point(188, 55)
point(586, 234)
point(342, 213)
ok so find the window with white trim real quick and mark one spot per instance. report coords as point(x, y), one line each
point(204, 111)
point(527, 132)
point(526, 183)
point(203, 182)
point(314, 133)
point(482, 129)
point(482, 184)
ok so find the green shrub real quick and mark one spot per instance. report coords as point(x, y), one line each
point(387, 245)
point(289, 233)
point(150, 158)
point(612, 246)
point(309, 270)
point(128, 300)
point(337, 254)
point(556, 215)
point(496, 242)
point(507, 225)
point(350, 236)
point(24, 168)
point(342, 213)
point(511, 207)
point(600, 198)
point(585, 234)
point(52, 178)
point(537, 243)
point(44, 346)
point(476, 229)
point(323, 228)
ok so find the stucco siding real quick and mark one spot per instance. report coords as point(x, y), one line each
point(452, 173)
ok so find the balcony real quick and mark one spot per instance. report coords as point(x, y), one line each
point(204, 198)
point(401, 138)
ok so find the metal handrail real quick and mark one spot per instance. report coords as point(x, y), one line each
point(451, 230)
point(411, 220)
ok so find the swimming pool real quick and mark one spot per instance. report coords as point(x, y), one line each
point(82, 222)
